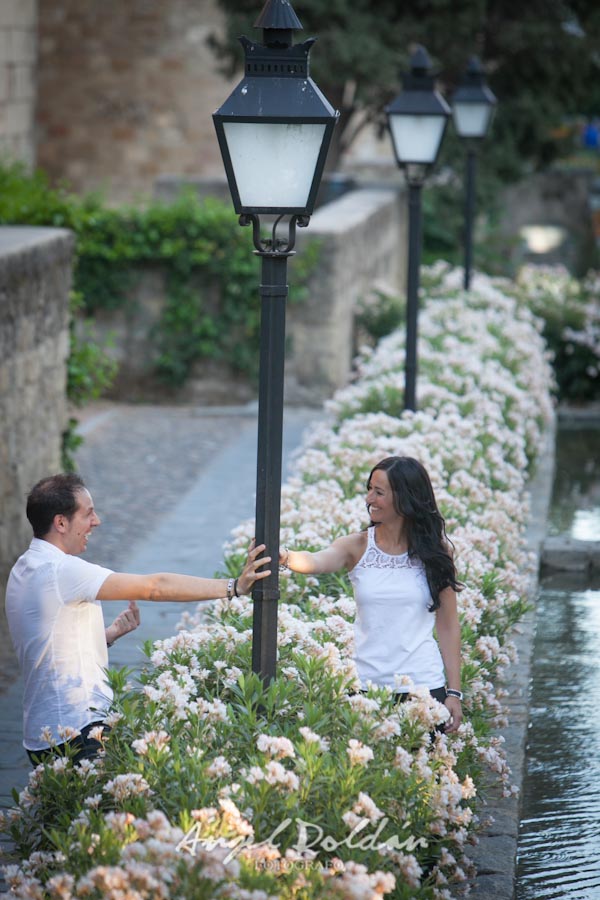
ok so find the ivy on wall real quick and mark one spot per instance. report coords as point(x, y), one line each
point(211, 306)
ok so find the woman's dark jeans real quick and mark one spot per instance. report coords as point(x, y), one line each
point(438, 694)
point(87, 747)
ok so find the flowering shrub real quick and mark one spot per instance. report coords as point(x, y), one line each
point(571, 313)
point(212, 784)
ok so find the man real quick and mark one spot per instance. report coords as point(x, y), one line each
point(54, 612)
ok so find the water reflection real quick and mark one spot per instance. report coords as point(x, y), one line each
point(559, 844)
point(576, 497)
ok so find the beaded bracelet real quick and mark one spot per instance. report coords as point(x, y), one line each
point(284, 566)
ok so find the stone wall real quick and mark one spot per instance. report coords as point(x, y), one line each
point(18, 24)
point(362, 242)
point(35, 277)
point(126, 91)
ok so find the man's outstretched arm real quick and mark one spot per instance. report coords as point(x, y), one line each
point(167, 586)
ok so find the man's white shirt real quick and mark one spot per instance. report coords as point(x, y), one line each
point(57, 629)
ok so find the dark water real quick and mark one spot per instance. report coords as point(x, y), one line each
point(559, 842)
point(575, 508)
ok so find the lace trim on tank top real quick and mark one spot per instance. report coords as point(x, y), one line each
point(374, 558)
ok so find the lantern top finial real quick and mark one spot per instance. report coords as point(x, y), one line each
point(474, 66)
point(420, 63)
point(278, 15)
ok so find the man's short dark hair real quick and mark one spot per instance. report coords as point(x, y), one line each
point(52, 496)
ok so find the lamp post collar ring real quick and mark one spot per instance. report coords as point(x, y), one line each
point(274, 246)
point(416, 173)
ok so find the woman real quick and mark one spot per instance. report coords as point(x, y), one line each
point(404, 583)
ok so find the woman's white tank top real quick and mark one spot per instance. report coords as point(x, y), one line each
point(393, 629)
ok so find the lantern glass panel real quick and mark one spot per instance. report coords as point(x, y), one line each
point(274, 163)
point(417, 138)
point(472, 119)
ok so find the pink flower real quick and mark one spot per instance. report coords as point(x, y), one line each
point(128, 785)
point(277, 747)
point(359, 753)
point(219, 768)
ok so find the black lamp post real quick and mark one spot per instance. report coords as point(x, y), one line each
point(274, 132)
point(473, 105)
point(417, 120)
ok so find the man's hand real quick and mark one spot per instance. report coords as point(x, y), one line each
point(125, 622)
point(250, 572)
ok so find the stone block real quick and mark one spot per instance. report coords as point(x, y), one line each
point(18, 13)
point(5, 379)
point(8, 13)
point(16, 146)
point(495, 855)
point(18, 118)
point(24, 88)
point(4, 54)
point(168, 187)
point(21, 46)
point(564, 553)
point(506, 820)
point(493, 887)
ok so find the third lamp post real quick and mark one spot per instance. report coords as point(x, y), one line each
point(417, 120)
point(472, 109)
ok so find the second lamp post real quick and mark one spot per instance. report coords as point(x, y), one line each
point(417, 120)
point(472, 107)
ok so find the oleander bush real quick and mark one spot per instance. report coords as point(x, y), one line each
point(212, 784)
point(570, 310)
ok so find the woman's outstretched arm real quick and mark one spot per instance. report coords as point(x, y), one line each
point(344, 553)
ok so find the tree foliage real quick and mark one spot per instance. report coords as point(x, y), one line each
point(541, 57)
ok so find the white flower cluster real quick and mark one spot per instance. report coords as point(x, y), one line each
point(278, 747)
point(128, 785)
point(556, 295)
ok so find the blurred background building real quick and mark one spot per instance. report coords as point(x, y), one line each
point(112, 95)
point(108, 95)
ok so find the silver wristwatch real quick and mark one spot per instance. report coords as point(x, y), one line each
point(451, 692)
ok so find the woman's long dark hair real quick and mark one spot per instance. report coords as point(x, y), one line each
point(425, 527)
